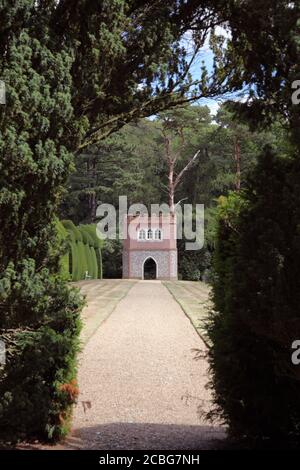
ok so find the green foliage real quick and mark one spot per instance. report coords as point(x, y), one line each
point(112, 259)
point(40, 328)
point(256, 293)
point(193, 265)
point(127, 44)
point(39, 319)
point(82, 259)
point(84, 249)
point(64, 261)
point(263, 52)
point(94, 264)
point(97, 244)
point(98, 252)
point(132, 163)
point(74, 261)
point(91, 263)
point(118, 166)
point(64, 94)
point(74, 264)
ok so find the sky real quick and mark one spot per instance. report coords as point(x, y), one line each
point(205, 55)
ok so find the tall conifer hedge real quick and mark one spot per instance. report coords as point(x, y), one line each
point(256, 293)
point(84, 251)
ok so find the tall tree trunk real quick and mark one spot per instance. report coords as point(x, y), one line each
point(171, 187)
point(171, 158)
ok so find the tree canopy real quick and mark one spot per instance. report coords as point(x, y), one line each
point(76, 71)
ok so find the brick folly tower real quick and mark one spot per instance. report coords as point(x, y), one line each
point(150, 248)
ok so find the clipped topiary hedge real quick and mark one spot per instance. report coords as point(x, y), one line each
point(92, 243)
point(64, 262)
point(98, 245)
point(84, 251)
point(94, 265)
point(74, 264)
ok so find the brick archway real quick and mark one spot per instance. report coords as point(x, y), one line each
point(150, 268)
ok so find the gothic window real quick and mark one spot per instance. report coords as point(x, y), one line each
point(142, 234)
point(157, 234)
point(150, 234)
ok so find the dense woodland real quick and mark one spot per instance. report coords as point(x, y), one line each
point(133, 163)
point(82, 77)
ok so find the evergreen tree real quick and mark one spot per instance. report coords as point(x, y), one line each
point(256, 292)
point(74, 71)
point(110, 169)
point(39, 319)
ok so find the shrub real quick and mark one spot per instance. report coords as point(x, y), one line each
point(90, 256)
point(112, 259)
point(84, 250)
point(98, 244)
point(40, 329)
point(256, 293)
point(64, 262)
point(82, 261)
point(193, 265)
point(94, 265)
point(74, 262)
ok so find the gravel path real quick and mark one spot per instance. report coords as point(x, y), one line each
point(140, 385)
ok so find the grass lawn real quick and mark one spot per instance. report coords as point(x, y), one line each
point(193, 297)
point(102, 297)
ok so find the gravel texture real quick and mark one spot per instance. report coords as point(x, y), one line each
point(140, 384)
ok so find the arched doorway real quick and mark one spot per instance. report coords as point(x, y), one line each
point(150, 269)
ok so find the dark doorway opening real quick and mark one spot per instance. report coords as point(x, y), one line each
point(150, 269)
